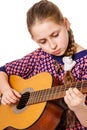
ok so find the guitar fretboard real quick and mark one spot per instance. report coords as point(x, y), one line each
point(55, 92)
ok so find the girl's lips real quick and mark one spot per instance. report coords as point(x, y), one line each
point(57, 52)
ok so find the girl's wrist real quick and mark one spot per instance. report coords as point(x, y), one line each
point(81, 108)
point(4, 89)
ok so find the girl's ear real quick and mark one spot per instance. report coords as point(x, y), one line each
point(67, 23)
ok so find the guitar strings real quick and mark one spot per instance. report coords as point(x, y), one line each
point(42, 95)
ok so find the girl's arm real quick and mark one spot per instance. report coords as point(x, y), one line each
point(81, 114)
point(76, 102)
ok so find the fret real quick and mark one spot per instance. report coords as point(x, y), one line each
point(55, 92)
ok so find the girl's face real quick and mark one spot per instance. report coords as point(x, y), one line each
point(51, 37)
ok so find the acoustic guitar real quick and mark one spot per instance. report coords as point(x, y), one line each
point(35, 111)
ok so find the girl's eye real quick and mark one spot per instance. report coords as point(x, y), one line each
point(55, 35)
point(42, 41)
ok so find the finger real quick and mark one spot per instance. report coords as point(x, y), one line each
point(5, 101)
point(73, 93)
point(81, 97)
point(69, 94)
point(17, 94)
point(12, 96)
point(67, 101)
point(12, 99)
point(9, 98)
point(77, 92)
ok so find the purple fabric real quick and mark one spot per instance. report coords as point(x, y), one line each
point(39, 61)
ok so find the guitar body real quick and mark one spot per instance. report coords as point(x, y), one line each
point(40, 116)
point(48, 120)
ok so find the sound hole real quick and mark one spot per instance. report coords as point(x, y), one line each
point(23, 101)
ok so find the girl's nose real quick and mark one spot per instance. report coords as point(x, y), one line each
point(52, 44)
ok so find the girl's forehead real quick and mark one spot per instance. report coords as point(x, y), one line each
point(45, 25)
point(44, 29)
point(49, 19)
point(48, 23)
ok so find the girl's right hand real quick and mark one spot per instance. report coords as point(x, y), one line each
point(10, 96)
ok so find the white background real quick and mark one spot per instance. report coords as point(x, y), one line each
point(15, 40)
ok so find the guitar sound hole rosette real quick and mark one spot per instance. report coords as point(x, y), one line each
point(21, 106)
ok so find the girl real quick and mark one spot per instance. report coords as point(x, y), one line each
point(59, 55)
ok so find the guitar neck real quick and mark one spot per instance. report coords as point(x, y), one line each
point(55, 92)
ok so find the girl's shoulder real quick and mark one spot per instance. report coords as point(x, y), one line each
point(80, 55)
point(38, 53)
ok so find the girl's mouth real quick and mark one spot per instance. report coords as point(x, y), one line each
point(57, 52)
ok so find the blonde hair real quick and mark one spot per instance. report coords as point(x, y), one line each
point(45, 9)
point(42, 10)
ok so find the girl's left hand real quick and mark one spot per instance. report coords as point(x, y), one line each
point(74, 99)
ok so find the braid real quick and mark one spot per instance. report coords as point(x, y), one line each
point(70, 52)
point(68, 78)
point(71, 46)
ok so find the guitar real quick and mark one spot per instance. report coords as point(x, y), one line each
point(34, 110)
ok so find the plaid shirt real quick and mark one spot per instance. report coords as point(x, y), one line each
point(39, 61)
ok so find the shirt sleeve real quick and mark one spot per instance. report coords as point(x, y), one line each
point(23, 67)
point(2, 68)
